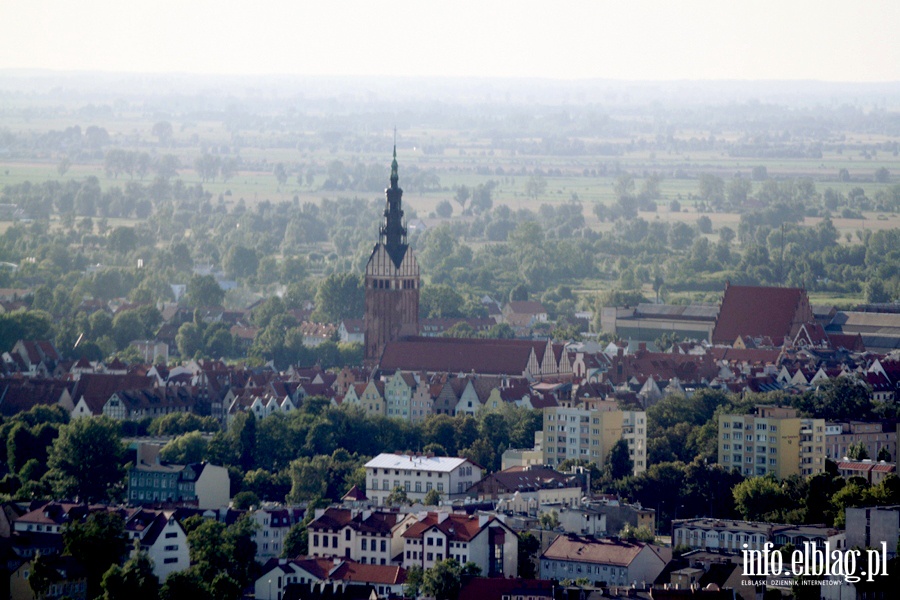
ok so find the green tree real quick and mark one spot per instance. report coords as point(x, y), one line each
point(185, 449)
point(101, 537)
point(443, 580)
point(340, 296)
point(618, 462)
point(85, 461)
point(42, 575)
point(432, 498)
point(122, 239)
point(185, 584)
point(189, 339)
point(549, 520)
point(529, 546)
point(163, 132)
point(440, 301)
point(133, 581)
point(203, 291)
point(759, 499)
point(641, 534)
point(397, 497)
point(415, 577)
point(857, 451)
point(444, 209)
point(241, 262)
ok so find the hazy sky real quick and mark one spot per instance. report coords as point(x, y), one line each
point(829, 40)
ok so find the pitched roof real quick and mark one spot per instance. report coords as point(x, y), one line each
point(461, 355)
point(366, 521)
point(531, 478)
point(757, 312)
point(20, 395)
point(588, 549)
point(96, 388)
point(456, 526)
point(383, 574)
point(526, 307)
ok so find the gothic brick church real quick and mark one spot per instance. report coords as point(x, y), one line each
point(392, 279)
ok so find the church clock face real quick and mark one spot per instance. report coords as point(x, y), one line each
point(392, 278)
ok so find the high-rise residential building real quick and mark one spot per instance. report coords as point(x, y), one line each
point(774, 440)
point(590, 434)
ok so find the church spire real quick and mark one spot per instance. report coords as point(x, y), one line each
point(392, 232)
point(394, 176)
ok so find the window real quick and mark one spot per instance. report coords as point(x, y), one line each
point(170, 560)
point(171, 548)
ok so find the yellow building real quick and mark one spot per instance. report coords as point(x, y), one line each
point(774, 440)
point(589, 434)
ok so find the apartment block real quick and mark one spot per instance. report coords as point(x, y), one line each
point(774, 440)
point(589, 434)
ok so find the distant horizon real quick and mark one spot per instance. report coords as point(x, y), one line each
point(30, 71)
point(839, 41)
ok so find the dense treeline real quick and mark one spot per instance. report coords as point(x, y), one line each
point(314, 252)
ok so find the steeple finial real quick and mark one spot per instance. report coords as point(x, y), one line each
point(394, 176)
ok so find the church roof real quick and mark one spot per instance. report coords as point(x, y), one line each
point(757, 312)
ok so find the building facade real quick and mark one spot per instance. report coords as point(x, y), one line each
point(584, 433)
point(774, 440)
point(417, 475)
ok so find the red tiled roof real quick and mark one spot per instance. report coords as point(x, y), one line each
point(383, 574)
point(96, 388)
point(461, 355)
point(457, 527)
point(758, 312)
point(526, 307)
point(20, 395)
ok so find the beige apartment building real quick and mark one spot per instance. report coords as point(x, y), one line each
point(774, 440)
point(589, 434)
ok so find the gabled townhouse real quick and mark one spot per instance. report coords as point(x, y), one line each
point(163, 539)
point(150, 403)
point(482, 539)
point(352, 331)
point(279, 573)
point(421, 404)
point(93, 390)
point(327, 577)
point(40, 357)
point(363, 536)
point(368, 396)
point(417, 475)
point(607, 562)
point(398, 391)
point(470, 401)
point(272, 527)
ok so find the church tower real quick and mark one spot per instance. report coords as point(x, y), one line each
point(392, 278)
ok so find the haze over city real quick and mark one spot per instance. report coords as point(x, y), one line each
point(641, 40)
